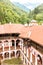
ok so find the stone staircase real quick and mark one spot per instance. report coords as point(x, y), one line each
point(26, 58)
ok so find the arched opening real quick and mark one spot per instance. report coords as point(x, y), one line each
point(6, 55)
point(1, 46)
point(6, 45)
point(18, 54)
point(13, 43)
point(18, 43)
point(12, 54)
point(39, 60)
point(1, 57)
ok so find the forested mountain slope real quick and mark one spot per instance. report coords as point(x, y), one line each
point(37, 14)
point(11, 13)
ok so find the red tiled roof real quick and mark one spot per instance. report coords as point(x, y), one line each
point(35, 33)
point(10, 28)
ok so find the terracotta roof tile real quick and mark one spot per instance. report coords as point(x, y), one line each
point(10, 28)
point(33, 32)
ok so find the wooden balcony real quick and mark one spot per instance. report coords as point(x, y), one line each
point(18, 47)
point(1, 57)
point(6, 37)
point(1, 49)
point(6, 48)
point(12, 48)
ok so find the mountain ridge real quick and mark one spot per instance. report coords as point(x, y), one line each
point(21, 6)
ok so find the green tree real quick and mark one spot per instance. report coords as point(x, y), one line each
point(39, 17)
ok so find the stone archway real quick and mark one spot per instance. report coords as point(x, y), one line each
point(39, 59)
point(6, 55)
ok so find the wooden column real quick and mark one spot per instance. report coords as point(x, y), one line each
point(31, 57)
point(3, 55)
point(22, 44)
point(35, 59)
point(27, 52)
point(9, 45)
point(3, 46)
point(9, 55)
point(15, 54)
point(15, 44)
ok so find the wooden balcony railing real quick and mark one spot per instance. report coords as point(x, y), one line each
point(6, 38)
point(12, 48)
point(18, 47)
point(6, 48)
